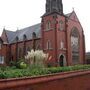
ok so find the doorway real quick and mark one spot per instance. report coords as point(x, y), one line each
point(62, 61)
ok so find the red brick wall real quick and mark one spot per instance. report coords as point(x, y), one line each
point(56, 36)
point(76, 24)
point(49, 35)
point(23, 45)
point(78, 80)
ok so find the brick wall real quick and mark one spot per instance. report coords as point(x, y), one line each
point(78, 80)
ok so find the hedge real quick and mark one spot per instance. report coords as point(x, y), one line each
point(12, 72)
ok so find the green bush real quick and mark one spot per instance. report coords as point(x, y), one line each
point(21, 64)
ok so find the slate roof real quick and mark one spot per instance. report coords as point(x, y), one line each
point(26, 31)
point(10, 35)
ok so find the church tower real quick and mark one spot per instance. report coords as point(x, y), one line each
point(54, 6)
point(53, 31)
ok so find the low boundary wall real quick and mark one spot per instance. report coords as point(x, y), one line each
point(75, 80)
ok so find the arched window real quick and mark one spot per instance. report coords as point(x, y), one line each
point(54, 5)
point(75, 45)
point(16, 39)
point(48, 25)
point(61, 44)
point(24, 37)
point(61, 25)
point(49, 44)
point(33, 35)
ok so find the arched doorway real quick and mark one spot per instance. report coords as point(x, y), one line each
point(62, 61)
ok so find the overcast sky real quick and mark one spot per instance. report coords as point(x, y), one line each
point(24, 13)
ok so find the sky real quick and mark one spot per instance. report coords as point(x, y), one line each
point(18, 14)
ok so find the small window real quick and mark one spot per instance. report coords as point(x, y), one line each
point(1, 59)
point(61, 25)
point(24, 37)
point(49, 44)
point(48, 25)
point(34, 35)
point(62, 44)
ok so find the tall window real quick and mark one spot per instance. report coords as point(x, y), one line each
point(61, 25)
point(54, 5)
point(49, 44)
point(61, 44)
point(20, 52)
point(1, 59)
point(48, 25)
point(75, 45)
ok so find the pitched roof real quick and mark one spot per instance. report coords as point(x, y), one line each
point(26, 31)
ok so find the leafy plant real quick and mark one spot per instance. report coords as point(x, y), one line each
point(11, 72)
point(21, 64)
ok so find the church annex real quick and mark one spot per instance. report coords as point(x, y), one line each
point(61, 35)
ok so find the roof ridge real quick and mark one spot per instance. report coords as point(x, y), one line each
point(9, 30)
point(69, 14)
point(29, 26)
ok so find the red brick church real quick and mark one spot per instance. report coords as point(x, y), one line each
point(61, 35)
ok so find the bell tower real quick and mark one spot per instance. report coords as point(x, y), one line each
point(54, 6)
point(52, 36)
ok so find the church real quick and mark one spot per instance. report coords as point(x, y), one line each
point(61, 35)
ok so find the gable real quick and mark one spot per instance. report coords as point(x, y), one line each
point(73, 16)
point(4, 36)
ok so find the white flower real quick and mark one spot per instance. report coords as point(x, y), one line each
point(38, 56)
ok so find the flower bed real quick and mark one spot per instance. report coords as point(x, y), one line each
point(9, 72)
